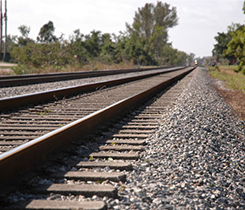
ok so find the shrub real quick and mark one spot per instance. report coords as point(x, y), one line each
point(243, 70)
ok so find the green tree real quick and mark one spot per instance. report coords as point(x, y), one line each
point(77, 48)
point(92, 45)
point(139, 50)
point(236, 47)
point(243, 8)
point(181, 58)
point(46, 33)
point(24, 30)
point(222, 43)
point(151, 16)
point(152, 22)
point(120, 44)
point(24, 39)
point(191, 58)
point(107, 49)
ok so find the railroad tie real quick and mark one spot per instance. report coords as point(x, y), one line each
point(125, 156)
point(99, 164)
point(57, 204)
point(91, 176)
point(86, 190)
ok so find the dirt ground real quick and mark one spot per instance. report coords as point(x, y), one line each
point(6, 70)
point(236, 99)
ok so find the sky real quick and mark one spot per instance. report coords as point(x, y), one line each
point(198, 24)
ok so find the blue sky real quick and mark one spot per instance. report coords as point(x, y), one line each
point(199, 20)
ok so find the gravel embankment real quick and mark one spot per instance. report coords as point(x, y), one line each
point(34, 88)
point(195, 161)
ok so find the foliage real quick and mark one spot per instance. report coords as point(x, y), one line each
point(41, 55)
point(173, 56)
point(236, 46)
point(92, 45)
point(143, 43)
point(151, 23)
point(46, 33)
point(243, 8)
point(107, 53)
point(24, 30)
point(231, 45)
point(223, 39)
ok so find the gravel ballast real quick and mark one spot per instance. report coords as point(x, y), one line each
point(195, 160)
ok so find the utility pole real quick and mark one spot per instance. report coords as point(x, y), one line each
point(1, 29)
point(6, 38)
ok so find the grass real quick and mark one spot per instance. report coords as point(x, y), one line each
point(234, 81)
point(22, 69)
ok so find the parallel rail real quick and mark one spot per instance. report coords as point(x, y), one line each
point(14, 80)
point(41, 97)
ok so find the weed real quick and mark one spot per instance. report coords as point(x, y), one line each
point(110, 159)
point(42, 113)
point(45, 112)
point(234, 81)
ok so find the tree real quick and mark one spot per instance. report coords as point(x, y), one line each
point(24, 30)
point(191, 58)
point(236, 47)
point(107, 49)
point(243, 7)
point(121, 41)
point(150, 17)
point(222, 41)
point(77, 47)
point(24, 39)
point(92, 45)
point(152, 22)
point(46, 33)
point(169, 55)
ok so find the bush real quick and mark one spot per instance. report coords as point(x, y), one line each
point(236, 70)
point(22, 69)
point(243, 70)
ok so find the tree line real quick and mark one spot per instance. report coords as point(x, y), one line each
point(145, 42)
point(230, 46)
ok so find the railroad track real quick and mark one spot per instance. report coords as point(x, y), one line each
point(14, 80)
point(89, 111)
point(55, 94)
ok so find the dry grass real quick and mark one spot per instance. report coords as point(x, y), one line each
point(96, 66)
point(6, 69)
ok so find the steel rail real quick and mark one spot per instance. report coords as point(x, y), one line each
point(14, 80)
point(40, 97)
point(23, 157)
